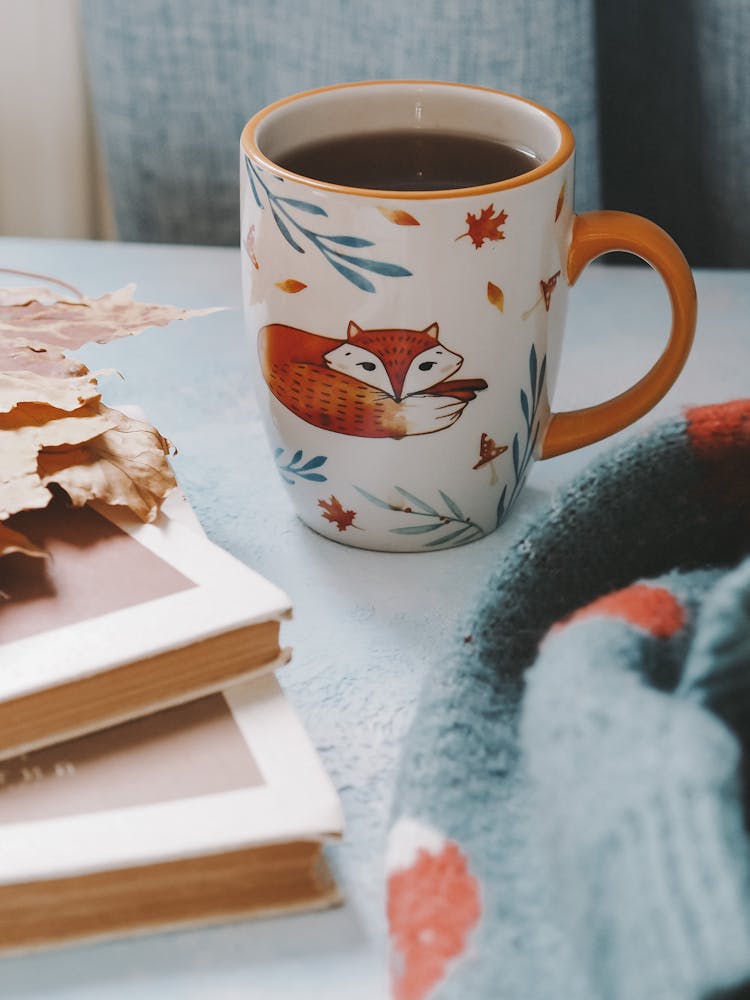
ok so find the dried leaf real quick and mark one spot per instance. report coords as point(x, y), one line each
point(335, 513)
point(398, 216)
point(126, 465)
point(60, 393)
point(495, 296)
point(20, 355)
point(29, 429)
point(53, 426)
point(13, 541)
point(291, 285)
point(20, 296)
point(71, 323)
point(486, 226)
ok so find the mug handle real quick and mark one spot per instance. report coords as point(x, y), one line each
point(596, 233)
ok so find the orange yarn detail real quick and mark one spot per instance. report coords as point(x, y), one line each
point(654, 609)
point(714, 430)
point(720, 438)
point(432, 906)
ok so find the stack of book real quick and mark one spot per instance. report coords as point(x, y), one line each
point(152, 773)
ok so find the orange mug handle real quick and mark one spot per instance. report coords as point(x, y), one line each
point(596, 233)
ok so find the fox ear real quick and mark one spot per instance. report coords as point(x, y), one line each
point(432, 331)
point(353, 330)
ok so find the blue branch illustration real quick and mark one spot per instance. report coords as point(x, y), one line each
point(521, 460)
point(420, 508)
point(293, 231)
point(306, 471)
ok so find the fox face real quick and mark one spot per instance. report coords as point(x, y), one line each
point(400, 363)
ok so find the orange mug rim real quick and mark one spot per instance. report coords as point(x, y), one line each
point(558, 158)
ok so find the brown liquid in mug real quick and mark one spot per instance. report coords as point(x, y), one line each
point(409, 160)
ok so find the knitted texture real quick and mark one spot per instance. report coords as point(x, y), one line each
point(585, 840)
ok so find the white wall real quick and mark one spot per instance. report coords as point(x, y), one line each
point(50, 181)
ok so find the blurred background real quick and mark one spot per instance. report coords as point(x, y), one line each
point(121, 118)
point(52, 182)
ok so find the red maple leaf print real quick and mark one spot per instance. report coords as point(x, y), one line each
point(335, 513)
point(485, 226)
point(433, 905)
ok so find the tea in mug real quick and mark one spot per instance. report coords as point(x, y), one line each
point(409, 160)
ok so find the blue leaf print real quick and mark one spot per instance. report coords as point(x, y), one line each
point(379, 267)
point(416, 529)
point(421, 504)
point(501, 505)
point(525, 406)
point(349, 241)
point(285, 232)
point(252, 182)
point(356, 279)
point(521, 460)
point(304, 206)
point(455, 523)
point(448, 538)
point(375, 500)
point(452, 506)
point(293, 468)
point(282, 208)
point(314, 463)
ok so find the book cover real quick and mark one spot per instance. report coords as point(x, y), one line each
point(123, 618)
point(203, 812)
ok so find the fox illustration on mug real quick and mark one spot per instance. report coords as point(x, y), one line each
point(386, 383)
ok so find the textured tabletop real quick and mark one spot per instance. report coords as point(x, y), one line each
point(366, 625)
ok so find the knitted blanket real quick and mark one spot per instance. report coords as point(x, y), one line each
point(568, 822)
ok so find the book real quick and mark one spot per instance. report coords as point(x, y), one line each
point(211, 810)
point(122, 619)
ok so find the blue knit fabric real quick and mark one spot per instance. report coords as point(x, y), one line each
point(637, 798)
point(568, 820)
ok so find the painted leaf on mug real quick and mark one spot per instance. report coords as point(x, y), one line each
point(398, 216)
point(250, 247)
point(334, 512)
point(495, 296)
point(299, 235)
point(291, 285)
point(548, 288)
point(485, 226)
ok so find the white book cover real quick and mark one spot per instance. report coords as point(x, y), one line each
point(115, 590)
point(226, 772)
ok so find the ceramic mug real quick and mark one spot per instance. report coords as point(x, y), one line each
point(406, 343)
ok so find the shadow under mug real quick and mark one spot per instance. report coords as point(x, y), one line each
point(406, 343)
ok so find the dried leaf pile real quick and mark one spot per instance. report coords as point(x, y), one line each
point(55, 431)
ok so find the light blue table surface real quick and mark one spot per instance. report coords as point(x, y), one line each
point(367, 625)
